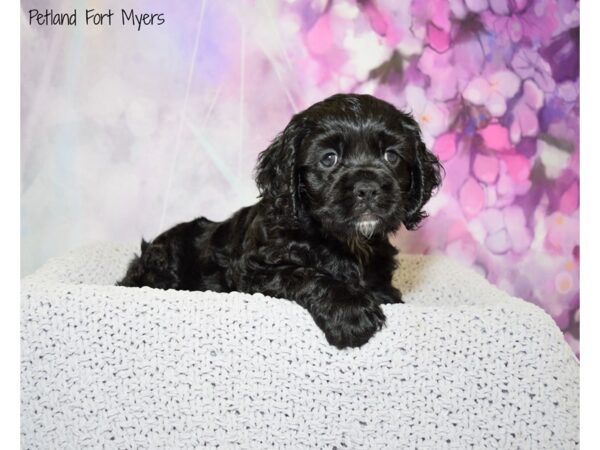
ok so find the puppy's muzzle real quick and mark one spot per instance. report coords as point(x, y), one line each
point(366, 193)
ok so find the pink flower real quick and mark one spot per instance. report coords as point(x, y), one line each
point(432, 118)
point(435, 11)
point(493, 91)
point(518, 167)
point(564, 282)
point(512, 180)
point(516, 226)
point(442, 72)
point(445, 146)
point(449, 72)
point(456, 230)
point(435, 14)
point(506, 7)
point(468, 60)
point(569, 91)
point(476, 6)
point(495, 137)
point(492, 220)
point(438, 39)
point(485, 168)
point(319, 39)
point(471, 198)
point(536, 20)
point(381, 22)
point(560, 288)
point(407, 34)
point(458, 170)
point(569, 201)
point(506, 230)
point(529, 64)
point(525, 121)
point(509, 173)
point(562, 233)
point(505, 19)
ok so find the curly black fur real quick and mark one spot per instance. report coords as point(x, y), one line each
point(318, 235)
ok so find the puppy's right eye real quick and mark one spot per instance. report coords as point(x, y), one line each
point(329, 159)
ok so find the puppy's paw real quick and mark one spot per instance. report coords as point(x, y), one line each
point(156, 267)
point(389, 296)
point(351, 324)
point(156, 257)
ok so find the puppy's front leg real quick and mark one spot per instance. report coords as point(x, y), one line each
point(348, 315)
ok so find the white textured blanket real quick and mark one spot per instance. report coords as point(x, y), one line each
point(461, 365)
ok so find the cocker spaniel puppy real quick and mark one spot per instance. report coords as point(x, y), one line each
point(342, 175)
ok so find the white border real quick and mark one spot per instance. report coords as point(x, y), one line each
point(590, 225)
point(9, 177)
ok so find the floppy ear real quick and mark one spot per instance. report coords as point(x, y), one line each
point(425, 178)
point(275, 173)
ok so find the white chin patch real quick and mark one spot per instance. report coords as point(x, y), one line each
point(366, 227)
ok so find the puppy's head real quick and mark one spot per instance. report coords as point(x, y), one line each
point(353, 164)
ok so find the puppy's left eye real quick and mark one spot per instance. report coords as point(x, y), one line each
point(329, 159)
point(392, 157)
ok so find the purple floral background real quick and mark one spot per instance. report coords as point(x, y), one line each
point(128, 132)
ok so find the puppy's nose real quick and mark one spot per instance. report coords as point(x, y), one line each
point(366, 190)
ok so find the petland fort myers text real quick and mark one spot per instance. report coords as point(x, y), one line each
point(94, 17)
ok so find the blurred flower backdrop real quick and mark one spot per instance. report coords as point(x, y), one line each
point(127, 132)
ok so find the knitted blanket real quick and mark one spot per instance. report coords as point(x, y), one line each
point(460, 365)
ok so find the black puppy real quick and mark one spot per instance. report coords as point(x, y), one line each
point(342, 175)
